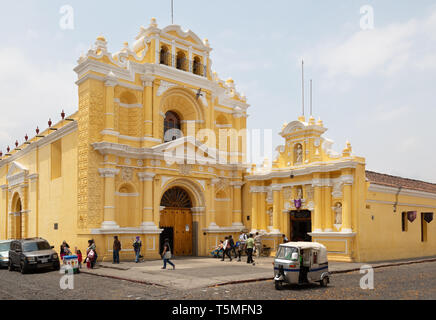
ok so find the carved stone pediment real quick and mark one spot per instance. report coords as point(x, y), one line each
point(17, 174)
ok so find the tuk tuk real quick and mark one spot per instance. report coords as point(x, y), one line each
point(301, 263)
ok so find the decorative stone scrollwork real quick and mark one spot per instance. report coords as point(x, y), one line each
point(108, 172)
point(164, 86)
point(127, 174)
point(337, 189)
point(221, 185)
point(287, 193)
point(269, 196)
point(185, 169)
point(309, 192)
point(145, 176)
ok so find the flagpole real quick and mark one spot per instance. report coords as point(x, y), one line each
point(172, 11)
point(302, 83)
point(311, 114)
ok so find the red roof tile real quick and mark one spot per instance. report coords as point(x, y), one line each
point(394, 181)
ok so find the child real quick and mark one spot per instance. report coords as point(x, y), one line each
point(90, 259)
point(79, 257)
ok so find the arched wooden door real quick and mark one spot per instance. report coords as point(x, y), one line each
point(176, 220)
point(17, 231)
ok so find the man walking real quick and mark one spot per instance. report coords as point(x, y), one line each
point(226, 247)
point(250, 246)
point(232, 246)
point(137, 247)
point(242, 242)
point(258, 244)
point(116, 250)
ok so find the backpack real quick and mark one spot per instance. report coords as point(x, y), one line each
point(136, 245)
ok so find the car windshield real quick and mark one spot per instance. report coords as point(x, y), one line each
point(285, 252)
point(5, 246)
point(36, 246)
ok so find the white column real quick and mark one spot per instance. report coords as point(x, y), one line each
point(212, 212)
point(109, 197)
point(237, 207)
point(147, 195)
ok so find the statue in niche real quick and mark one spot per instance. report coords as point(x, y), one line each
point(270, 214)
point(299, 193)
point(298, 153)
point(127, 174)
point(338, 213)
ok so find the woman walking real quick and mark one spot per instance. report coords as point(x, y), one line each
point(90, 255)
point(166, 254)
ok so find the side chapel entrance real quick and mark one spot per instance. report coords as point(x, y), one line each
point(176, 221)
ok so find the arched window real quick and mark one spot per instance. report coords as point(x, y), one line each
point(181, 61)
point(172, 126)
point(197, 66)
point(164, 56)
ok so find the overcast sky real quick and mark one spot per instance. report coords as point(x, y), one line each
point(375, 88)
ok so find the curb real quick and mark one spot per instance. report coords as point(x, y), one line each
point(394, 264)
point(121, 278)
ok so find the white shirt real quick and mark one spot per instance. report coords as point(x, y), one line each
point(243, 238)
point(225, 244)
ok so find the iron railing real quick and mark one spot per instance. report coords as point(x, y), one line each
point(183, 64)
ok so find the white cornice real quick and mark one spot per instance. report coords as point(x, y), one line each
point(318, 167)
point(404, 192)
point(108, 172)
point(298, 127)
point(231, 229)
point(117, 134)
point(313, 183)
point(402, 204)
point(332, 234)
point(168, 73)
point(125, 231)
point(146, 176)
point(126, 105)
point(51, 137)
point(125, 151)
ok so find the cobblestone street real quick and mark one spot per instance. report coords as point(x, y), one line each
point(415, 281)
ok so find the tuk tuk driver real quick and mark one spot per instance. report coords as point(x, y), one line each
point(303, 269)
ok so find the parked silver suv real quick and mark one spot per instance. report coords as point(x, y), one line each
point(5, 245)
point(31, 254)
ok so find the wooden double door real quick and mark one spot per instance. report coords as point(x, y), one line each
point(301, 225)
point(177, 225)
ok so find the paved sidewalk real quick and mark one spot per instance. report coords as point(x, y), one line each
point(192, 272)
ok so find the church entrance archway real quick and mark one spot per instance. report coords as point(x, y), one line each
point(17, 212)
point(301, 225)
point(176, 221)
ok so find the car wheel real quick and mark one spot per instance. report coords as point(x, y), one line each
point(324, 282)
point(10, 266)
point(279, 285)
point(23, 268)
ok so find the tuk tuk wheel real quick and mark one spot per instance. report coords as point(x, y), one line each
point(279, 285)
point(324, 282)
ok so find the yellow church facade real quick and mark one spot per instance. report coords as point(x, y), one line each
point(157, 150)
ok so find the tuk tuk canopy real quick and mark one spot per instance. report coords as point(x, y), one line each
point(309, 245)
